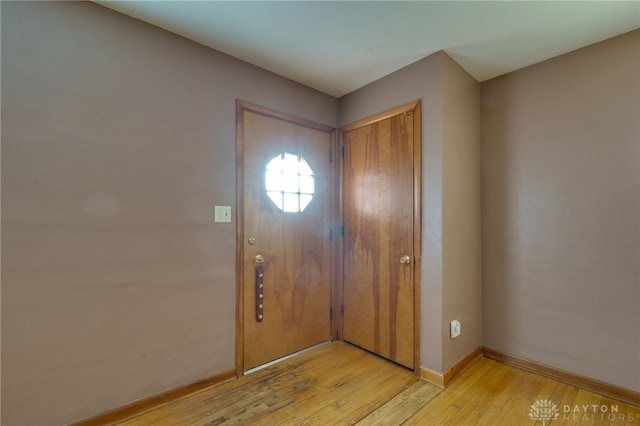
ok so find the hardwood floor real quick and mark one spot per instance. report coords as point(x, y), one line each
point(338, 384)
point(492, 393)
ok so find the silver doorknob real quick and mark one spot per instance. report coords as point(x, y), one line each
point(405, 259)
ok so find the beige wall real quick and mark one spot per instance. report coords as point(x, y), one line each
point(461, 259)
point(561, 212)
point(117, 140)
point(450, 270)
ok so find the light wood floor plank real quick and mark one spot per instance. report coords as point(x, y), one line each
point(403, 406)
point(490, 393)
point(339, 384)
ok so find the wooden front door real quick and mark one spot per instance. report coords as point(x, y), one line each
point(381, 217)
point(285, 269)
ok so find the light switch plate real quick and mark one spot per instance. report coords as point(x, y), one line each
point(222, 214)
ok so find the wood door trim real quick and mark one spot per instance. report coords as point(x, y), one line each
point(411, 106)
point(283, 116)
point(241, 107)
point(336, 252)
point(417, 230)
point(415, 108)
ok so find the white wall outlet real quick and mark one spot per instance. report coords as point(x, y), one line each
point(455, 329)
point(222, 214)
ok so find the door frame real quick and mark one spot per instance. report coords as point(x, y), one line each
point(408, 108)
point(241, 107)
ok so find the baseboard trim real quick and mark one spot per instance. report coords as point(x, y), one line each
point(462, 365)
point(619, 393)
point(432, 377)
point(128, 410)
point(443, 380)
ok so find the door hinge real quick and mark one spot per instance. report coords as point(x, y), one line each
point(342, 231)
point(342, 152)
point(330, 234)
point(342, 310)
point(330, 313)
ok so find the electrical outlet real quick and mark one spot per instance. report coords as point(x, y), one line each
point(455, 329)
point(222, 214)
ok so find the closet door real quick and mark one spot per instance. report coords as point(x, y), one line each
point(379, 237)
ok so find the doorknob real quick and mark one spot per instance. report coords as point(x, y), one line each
point(405, 259)
point(259, 260)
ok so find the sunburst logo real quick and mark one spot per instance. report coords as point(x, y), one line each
point(544, 410)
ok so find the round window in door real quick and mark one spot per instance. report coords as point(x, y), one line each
point(289, 182)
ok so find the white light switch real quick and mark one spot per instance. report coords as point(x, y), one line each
point(222, 213)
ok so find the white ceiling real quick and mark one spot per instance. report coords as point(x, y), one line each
point(339, 46)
